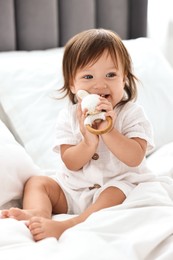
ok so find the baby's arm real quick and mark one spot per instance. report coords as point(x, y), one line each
point(130, 151)
point(76, 156)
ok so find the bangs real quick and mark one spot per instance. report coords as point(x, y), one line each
point(92, 56)
point(90, 48)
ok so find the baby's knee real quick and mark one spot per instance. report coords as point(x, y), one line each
point(36, 181)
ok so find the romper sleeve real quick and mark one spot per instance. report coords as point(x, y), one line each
point(66, 129)
point(134, 123)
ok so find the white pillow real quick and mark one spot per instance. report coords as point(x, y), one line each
point(29, 83)
point(160, 162)
point(16, 167)
point(155, 92)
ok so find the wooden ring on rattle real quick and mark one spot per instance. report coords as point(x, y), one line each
point(101, 131)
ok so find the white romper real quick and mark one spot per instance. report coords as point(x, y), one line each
point(83, 187)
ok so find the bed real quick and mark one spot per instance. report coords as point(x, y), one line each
point(32, 38)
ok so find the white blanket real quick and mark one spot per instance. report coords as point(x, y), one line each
point(141, 228)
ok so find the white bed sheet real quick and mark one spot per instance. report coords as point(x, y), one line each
point(140, 228)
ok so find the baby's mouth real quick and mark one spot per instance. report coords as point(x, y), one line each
point(104, 96)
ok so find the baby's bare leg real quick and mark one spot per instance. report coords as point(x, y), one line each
point(42, 228)
point(42, 197)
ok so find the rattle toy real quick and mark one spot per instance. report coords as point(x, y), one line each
point(89, 102)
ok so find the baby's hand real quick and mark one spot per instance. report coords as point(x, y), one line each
point(89, 137)
point(106, 106)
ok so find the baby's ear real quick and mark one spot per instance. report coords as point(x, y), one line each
point(82, 93)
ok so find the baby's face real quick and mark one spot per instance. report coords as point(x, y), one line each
point(102, 78)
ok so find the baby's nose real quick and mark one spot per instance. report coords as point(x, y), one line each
point(99, 85)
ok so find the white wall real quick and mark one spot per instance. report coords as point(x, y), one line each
point(160, 25)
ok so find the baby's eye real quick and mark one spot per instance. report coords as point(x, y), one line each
point(111, 75)
point(88, 77)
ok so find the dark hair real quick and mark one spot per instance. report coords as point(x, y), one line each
point(87, 47)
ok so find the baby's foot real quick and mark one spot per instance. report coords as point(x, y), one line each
point(16, 213)
point(41, 227)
